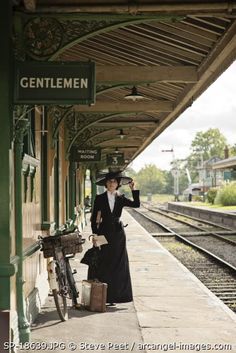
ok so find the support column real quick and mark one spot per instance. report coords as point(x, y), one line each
point(72, 190)
point(23, 324)
point(56, 185)
point(45, 223)
point(93, 185)
point(6, 114)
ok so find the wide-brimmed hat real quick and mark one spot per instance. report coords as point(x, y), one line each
point(119, 176)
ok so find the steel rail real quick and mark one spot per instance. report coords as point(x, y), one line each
point(215, 234)
point(183, 239)
point(198, 219)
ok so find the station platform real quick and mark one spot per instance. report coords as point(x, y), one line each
point(223, 218)
point(172, 310)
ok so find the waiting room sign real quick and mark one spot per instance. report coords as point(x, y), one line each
point(85, 154)
point(54, 83)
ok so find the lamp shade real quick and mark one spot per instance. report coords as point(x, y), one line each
point(121, 134)
point(134, 96)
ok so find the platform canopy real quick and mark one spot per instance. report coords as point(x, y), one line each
point(229, 163)
point(168, 51)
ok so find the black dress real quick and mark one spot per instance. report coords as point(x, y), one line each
point(113, 267)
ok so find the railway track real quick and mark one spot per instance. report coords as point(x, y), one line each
point(199, 224)
point(204, 248)
point(218, 240)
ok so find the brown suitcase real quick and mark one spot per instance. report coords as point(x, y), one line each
point(98, 296)
point(94, 295)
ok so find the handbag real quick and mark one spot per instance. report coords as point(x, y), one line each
point(91, 257)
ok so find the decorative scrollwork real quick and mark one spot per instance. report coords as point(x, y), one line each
point(79, 121)
point(43, 36)
point(21, 122)
point(83, 138)
point(78, 28)
point(90, 137)
point(57, 115)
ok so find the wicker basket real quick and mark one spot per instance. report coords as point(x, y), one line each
point(71, 243)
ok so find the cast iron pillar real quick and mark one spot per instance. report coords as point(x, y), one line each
point(72, 190)
point(23, 324)
point(93, 185)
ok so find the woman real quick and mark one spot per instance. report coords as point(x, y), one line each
point(113, 267)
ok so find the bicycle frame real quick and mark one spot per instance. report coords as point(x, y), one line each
point(52, 278)
point(60, 276)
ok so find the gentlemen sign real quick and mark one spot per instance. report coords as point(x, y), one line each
point(85, 154)
point(115, 159)
point(54, 82)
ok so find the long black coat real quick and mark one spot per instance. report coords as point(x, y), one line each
point(113, 267)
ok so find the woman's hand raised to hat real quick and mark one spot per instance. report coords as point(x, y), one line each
point(132, 185)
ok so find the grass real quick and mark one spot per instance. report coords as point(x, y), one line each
point(209, 205)
point(160, 198)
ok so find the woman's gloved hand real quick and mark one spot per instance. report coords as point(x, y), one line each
point(132, 185)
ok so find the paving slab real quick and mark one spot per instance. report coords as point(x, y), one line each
point(172, 310)
point(176, 312)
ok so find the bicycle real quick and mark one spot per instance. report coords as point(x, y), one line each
point(62, 247)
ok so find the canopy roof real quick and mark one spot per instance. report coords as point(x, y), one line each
point(171, 51)
point(225, 163)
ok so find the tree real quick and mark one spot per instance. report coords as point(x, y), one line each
point(232, 150)
point(206, 144)
point(169, 182)
point(210, 143)
point(151, 179)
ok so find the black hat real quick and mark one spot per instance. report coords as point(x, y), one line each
point(122, 179)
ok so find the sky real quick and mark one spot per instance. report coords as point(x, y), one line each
point(215, 108)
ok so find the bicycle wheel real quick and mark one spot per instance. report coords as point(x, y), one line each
point(60, 296)
point(61, 305)
point(72, 285)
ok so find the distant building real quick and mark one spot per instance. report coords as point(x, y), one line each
point(226, 169)
point(209, 177)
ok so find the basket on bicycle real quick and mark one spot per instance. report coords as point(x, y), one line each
point(70, 243)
